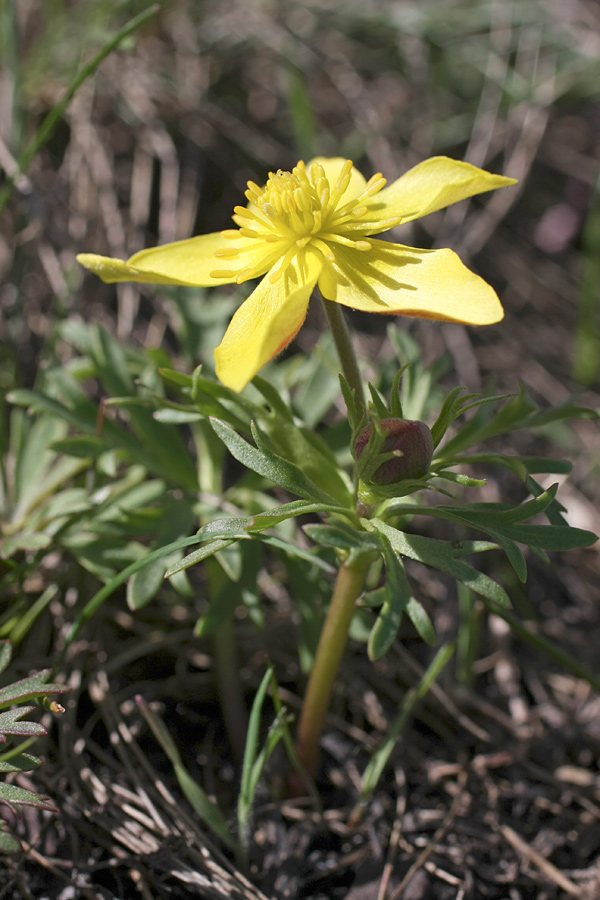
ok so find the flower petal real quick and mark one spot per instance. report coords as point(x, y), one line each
point(266, 322)
point(333, 169)
point(432, 185)
point(430, 284)
point(187, 262)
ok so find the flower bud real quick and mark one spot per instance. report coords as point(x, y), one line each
point(411, 443)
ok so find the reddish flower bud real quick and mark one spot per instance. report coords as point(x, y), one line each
point(413, 443)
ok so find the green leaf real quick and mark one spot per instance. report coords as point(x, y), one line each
point(277, 432)
point(22, 762)
point(277, 514)
point(503, 525)
point(29, 541)
point(145, 584)
point(254, 762)
point(459, 478)
point(423, 624)
point(375, 768)
point(378, 405)
point(395, 595)
point(17, 796)
point(271, 466)
point(9, 723)
point(553, 537)
point(356, 412)
point(197, 556)
point(171, 416)
point(340, 536)
point(397, 599)
point(446, 415)
point(83, 447)
point(512, 463)
point(8, 843)
point(440, 555)
point(5, 655)
point(181, 379)
point(28, 688)
point(395, 401)
point(208, 811)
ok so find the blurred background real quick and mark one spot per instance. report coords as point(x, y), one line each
point(158, 145)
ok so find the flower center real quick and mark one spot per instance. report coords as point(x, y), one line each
point(295, 209)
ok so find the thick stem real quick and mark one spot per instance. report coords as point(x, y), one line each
point(348, 587)
point(343, 344)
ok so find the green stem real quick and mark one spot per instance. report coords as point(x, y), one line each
point(343, 344)
point(348, 587)
point(229, 685)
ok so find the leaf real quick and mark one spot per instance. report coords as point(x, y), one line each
point(276, 431)
point(296, 552)
point(254, 762)
point(356, 411)
point(17, 796)
point(181, 379)
point(377, 404)
point(441, 555)
point(340, 536)
point(208, 811)
point(5, 654)
point(145, 584)
point(503, 525)
point(197, 556)
point(377, 764)
point(21, 762)
point(29, 688)
point(81, 447)
point(29, 541)
point(171, 416)
point(8, 843)
point(397, 599)
point(274, 467)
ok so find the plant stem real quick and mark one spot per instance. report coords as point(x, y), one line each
point(229, 685)
point(343, 344)
point(348, 587)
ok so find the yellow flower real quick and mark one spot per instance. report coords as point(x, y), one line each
point(312, 226)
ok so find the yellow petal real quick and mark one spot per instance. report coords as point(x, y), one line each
point(432, 185)
point(266, 322)
point(187, 262)
point(333, 168)
point(431, 284)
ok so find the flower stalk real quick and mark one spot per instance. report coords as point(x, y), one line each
point(345, 349)
point(348, 588)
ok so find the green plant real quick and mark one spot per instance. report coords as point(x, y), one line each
point(16, 759)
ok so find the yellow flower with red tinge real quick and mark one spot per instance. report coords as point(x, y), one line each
point(314, 226)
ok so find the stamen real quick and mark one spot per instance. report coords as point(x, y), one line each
point(322, 246)
point(244, 212)
point(223, 273)
point(341, 184)
point(226, 254)
point(346, 242)
point(276, 275)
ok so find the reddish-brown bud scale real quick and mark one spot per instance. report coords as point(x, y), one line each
point(413, 443)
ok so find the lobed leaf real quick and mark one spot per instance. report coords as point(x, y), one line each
point(440, 555)
point(272, 466)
